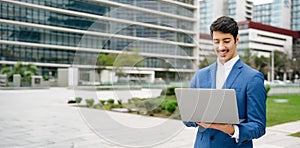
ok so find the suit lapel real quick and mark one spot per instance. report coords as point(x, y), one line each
point(236, 70)
point(213, 70)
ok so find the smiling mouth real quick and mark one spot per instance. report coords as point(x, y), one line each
point(223, 52)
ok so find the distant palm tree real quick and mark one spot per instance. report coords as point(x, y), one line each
point(25, 71)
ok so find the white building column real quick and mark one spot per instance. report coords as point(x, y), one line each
point(73, 77)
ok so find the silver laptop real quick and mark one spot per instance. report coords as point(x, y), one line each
point(208, 105)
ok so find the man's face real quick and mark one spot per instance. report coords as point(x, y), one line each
point(224, 46)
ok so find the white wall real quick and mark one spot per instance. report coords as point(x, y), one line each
point(263, 40)
point(218, 8)
point(108, 76)
point(62, 77)
point(73, 75)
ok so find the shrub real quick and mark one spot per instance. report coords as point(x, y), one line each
point(176, 115)
point(129, 101)
point(138, 102)
point(111, 101)
point(46, 77)
point(164, 104)
point(157, 110)
point(267, 87)
point(102, 102)
point(97, 106)
point(169, 105)
point(107, 106)
point(138, 99)
point(89, 102)
point(78, 99)
point(169, 91)
point(119, 102)
point(149, 105)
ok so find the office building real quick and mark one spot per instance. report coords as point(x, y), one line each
point(259, 38)
point(210, 10)
point(295, 15)
point(276, 13)
point(263, 39)
point(51, 34)
point(283, 14)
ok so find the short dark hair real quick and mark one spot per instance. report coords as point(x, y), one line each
point(225, 24)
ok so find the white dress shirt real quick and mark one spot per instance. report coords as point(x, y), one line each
point(221, 76)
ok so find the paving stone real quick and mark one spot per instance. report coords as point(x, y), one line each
point(42, 118)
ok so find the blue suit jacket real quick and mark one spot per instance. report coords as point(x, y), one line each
point(251, 99)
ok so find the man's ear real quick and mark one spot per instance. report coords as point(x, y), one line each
point(237, 39)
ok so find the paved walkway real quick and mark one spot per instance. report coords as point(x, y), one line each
point(42, 118)
point(277, 136)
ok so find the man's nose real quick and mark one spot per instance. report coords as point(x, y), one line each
point(221, 46)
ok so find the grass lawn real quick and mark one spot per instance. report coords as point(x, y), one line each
point(296, 134)
point(278, 113)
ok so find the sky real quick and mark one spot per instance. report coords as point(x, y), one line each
point(257, 2)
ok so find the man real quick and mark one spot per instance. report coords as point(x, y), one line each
point(231, 73)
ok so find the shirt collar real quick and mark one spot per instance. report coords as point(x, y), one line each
point(229, 64)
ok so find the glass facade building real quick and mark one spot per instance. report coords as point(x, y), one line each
point(262, 13)
point(212, 9)
point(206, 15)
point(240, 10)
point(296, 15)
point(51, 33)
point(279, 13)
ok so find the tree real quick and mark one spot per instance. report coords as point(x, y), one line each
point(131, 58)
point(281, 61)
point(104, 60)
point(262, 64)
point(259, 63)
point(248, 58)
point(284, 64)
point(26, 71)
point(209, 59)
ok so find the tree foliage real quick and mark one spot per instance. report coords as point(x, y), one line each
point(208, 60)
point(104, 60)
point(26, 71)
point(259, 63)
point(130, 58)
point(282, 63)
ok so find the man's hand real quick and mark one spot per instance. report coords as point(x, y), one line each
point(226, 128)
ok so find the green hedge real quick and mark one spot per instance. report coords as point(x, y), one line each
point(169, 105)
point(78, 99)
point(169, 91)
point(89, 102)
point(111, 101)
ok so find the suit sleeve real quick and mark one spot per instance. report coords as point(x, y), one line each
point(192, 85)
point(256, 110)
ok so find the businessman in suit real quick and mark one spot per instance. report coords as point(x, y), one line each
point(229, 72)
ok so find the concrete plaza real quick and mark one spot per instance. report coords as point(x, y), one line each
point(42, 118)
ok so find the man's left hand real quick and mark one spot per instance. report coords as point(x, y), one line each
point(226, 128)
